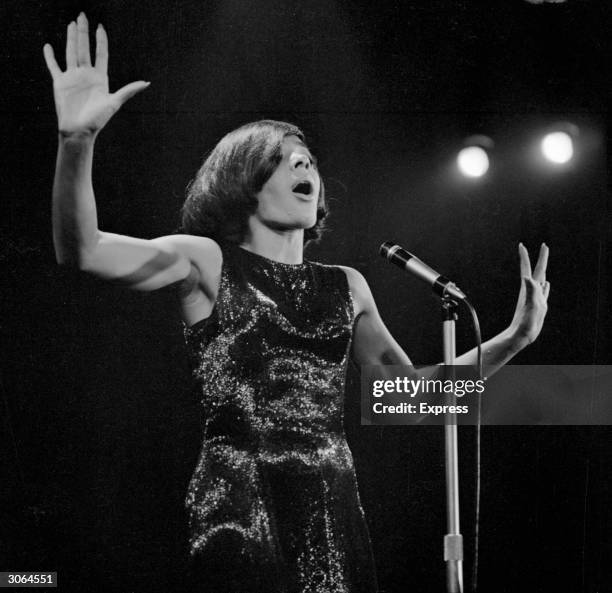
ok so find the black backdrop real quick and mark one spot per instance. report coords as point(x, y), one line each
point(100, 423)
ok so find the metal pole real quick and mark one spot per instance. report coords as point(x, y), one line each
point(453, 540)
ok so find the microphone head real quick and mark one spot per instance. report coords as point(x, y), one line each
point(385, 249)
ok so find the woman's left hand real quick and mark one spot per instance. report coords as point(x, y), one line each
point(532, 305)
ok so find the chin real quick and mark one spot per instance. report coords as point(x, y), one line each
point(311, 222)
point(305, 222)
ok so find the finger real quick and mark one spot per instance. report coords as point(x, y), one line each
point(54, 69)
point(71, 43)
point(530, 288)
point(101, 50)
point(539, 272)
point(83, 57)
point(546, 290)
point(525, 263)
point(129, 90)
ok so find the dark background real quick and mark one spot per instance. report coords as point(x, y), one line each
point(100, 421)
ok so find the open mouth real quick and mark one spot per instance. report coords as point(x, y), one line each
point(303, 187)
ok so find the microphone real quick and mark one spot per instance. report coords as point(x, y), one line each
point(441, 285)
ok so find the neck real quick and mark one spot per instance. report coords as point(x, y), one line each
point(286, 247)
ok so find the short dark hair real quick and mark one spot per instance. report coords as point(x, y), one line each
point(222, 195)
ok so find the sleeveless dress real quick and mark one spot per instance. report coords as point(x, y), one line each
point(273, 503)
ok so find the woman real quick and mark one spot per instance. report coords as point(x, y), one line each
point(273, 501)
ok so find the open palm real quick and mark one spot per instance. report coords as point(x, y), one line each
point(82, 99)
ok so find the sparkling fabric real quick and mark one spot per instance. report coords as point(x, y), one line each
point(273, 503)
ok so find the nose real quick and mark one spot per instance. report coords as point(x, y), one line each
point(302, 162)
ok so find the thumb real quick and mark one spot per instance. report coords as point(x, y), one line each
point(129, 90)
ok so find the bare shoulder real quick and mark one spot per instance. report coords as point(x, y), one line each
point(204, 253)
point(192, 246)
point(198, 290)
point(362, 296)
point(355, 278)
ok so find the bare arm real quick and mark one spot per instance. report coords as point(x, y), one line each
point(84, 106)
point(374, 345)
point(77, 239)
point(136, 263)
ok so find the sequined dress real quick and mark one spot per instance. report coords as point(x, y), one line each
point(273, 503)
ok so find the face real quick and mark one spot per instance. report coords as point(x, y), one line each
point(288, 200)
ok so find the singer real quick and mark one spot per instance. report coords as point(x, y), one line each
point(273, 502)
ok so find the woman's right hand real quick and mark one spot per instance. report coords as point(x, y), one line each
point(82, 100)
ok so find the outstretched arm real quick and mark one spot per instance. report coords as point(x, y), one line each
point(374, 345)
point(84, 106)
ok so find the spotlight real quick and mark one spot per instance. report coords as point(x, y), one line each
point(473, 160)
point(558, 145)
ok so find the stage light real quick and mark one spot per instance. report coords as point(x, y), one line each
point(558, 147)
point(473, 158)
point(473, 161)
point(557, 143)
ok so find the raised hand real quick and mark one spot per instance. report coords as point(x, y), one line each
point(82, 99)
point(532, 304)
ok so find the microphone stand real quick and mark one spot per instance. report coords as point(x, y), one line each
point(445, 289)
point(453, 540)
